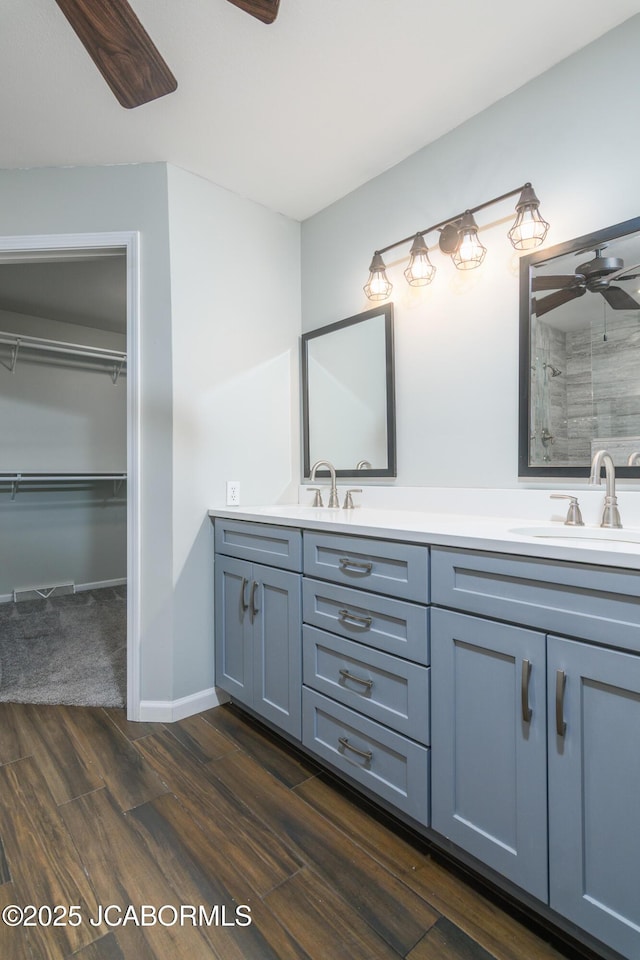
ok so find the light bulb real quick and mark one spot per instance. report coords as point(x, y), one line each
point(470, 252)
point(420, 271)
point(378, 286)
point(529, 228)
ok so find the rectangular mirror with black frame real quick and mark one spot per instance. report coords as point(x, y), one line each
point(348, 395)
point(580, 354)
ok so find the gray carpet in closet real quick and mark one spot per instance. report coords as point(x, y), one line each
point(70, 649)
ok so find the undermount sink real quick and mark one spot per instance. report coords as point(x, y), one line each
point(580, 533)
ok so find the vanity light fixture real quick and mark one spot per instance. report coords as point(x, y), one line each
point(470, 252)
point(420, 271)
point(378, 286)
point(530, 229)
point(459, 240)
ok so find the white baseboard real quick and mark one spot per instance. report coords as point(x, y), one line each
point(100, 584)
point(168, 711)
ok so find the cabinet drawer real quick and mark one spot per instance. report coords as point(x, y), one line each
point(394, 626)
point(580, 600)
point(388, 764)
point(385, 688)
point(397, 569)
point(275, 546)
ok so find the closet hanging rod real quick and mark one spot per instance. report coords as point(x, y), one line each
point(61, 477)
point(17, 479)
point(18, 342)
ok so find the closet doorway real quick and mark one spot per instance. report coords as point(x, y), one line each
point(69, 523)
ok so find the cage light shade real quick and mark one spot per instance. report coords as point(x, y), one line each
point(529, 228)
point(420, 271)
point(470, 252)
point(378, 286)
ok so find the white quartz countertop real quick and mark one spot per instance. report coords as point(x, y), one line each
point(497, 534)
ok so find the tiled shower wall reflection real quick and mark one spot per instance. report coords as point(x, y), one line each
point(585, 385)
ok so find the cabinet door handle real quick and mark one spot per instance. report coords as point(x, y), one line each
point(345, 616)
point(360, 566)
point(527, 712)
point(350, 676)
point(243, 601)
point(561, 682)
point(365, 754)
point(252, 600)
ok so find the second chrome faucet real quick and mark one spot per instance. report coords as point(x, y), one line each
point(610, 514)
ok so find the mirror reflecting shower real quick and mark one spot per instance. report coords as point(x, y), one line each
point(580, 353)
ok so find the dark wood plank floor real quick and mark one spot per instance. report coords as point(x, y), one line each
point(214, 810)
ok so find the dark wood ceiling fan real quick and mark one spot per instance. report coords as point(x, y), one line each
point(123, 51)
point(265, 10)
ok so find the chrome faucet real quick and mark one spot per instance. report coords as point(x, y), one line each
point(333, 496)
point(610, 515)
point(634, 459)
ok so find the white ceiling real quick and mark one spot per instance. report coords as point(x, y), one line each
point(293, 115)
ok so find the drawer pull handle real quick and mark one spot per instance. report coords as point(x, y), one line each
point(527, 712)
point(561, 682)
point(252, 600)
point(243, 602)
point(345, 616)
point(349, 676)
point(359, 566)
point(365, 754)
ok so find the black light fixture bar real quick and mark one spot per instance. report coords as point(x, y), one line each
point(459, 239)
point(459, 216)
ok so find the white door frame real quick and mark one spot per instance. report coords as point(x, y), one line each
point(57, 245)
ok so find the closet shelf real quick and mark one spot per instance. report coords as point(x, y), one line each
point(19, 343)
point(16, 480)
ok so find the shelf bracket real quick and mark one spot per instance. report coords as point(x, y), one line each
point(117, 370)
point(15, 485)
point(11, 365)
point(14, 356)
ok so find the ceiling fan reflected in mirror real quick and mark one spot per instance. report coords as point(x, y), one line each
point(123, 51)
point(593, 276)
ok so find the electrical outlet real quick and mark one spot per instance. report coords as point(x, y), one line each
point(233, 493)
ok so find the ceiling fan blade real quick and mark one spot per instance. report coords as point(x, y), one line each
point(121, 49)
point(622, 274)
point(265, 10)
point(557, 283)
point(619, 299)
point(540, 307)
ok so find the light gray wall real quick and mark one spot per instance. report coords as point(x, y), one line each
point(55, 537)
point(571, 132)
point(61, 417)
point(235, 296)
point(219, 374)
point(124, 198)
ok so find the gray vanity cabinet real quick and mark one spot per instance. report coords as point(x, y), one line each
point(594, 790)
point(489, 751)
point(492, 769)
point(491, 699)
point(258, 623)
point(365, 700)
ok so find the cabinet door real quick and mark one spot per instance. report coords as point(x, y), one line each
point(488, 784)
point(278, 647)
point(233, 644)
point(594, 791)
